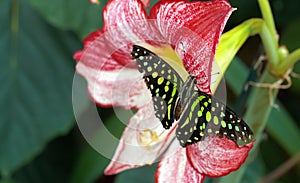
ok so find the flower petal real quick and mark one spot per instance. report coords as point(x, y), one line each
point(111, 81)
point(120, 87)
point(216, 156)
point(97, 53)
point(177, 169)
point(142, 142)
point(193, 29)
point(94, 1)
point(126, 23)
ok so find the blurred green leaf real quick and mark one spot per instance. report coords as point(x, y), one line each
point(255, 171)
point(236, 75)
point(290, 34)
point(77, 15)
point(144, 174)
point(53, 165)
point(36, 71)
point(284, 130)
point(290, 38)
point(8, 181)
point(91, 164)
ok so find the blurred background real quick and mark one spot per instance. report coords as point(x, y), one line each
point(39, 138)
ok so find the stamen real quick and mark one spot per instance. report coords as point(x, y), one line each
point(147, 136)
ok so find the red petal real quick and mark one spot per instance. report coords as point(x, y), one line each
point(177, 169)
point(217, 156)
point(145, 2)
point(142, 142)
point(98, 52)
point(193, 29)
point(120, 87)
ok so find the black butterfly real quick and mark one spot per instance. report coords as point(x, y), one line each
point(199, 114)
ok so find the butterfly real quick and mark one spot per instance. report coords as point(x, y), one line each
point(199, 115)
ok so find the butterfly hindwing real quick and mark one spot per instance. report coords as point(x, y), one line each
point(205, 116)
point(163, 82)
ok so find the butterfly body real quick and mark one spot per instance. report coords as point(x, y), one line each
point(199, 115)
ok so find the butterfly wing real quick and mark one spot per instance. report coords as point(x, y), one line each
point(205, 116)
point(163, 82)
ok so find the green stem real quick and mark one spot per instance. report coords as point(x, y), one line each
point(290, 60)
point(268, 17)
point(259, 107)
point(270, 37)
point(270, 46)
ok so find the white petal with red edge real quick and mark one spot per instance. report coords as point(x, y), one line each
point(193, 29)
point(142, 142)
point(121, 87)
point(216, 156)
point(129, 24)
point(175, 168)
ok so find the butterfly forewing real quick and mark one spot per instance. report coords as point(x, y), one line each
point(163, 82)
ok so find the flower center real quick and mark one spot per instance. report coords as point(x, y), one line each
point(146, 137)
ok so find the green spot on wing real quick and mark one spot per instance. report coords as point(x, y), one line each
point(208, 116)
point(223, 124)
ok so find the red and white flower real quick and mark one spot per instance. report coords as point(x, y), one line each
point(192, 31)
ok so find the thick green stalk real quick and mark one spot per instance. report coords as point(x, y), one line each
point(257, 115)
point(260, 106)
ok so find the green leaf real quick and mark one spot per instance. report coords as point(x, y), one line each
point(36, 71)
point(144, 174)
point(77, 15)
point(284, 130)
point(255, 171)
point(290, 32)
point(8, 181)
point(236, 75)
point(89, 166)
point(232, 41)
point(54, 164)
